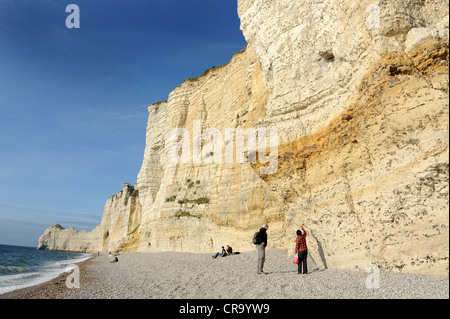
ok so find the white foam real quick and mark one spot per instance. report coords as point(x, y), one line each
point(49, 271)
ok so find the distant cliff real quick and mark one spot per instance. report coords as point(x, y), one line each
point(358, 94)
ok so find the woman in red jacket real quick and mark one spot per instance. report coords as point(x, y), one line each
point(302, 250)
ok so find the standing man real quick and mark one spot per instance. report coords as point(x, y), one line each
point(262, 244)
point(302, 250)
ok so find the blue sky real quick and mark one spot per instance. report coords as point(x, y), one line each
point(73, 102)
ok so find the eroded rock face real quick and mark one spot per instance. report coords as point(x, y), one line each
point(69, 239)
point(117, 231)
point(373, 184)
point(359, 94)
point(351, 87)
point(197, 206)
point(314, 54)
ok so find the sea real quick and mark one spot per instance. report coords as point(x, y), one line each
point(22, 267)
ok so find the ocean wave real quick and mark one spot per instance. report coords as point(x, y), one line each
point(21, 272)
point(13, 282)
point(12, 269)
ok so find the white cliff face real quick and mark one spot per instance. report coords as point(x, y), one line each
point(358, 91)
point(194, 206)
point(118, 229)
point(315, 53)
point(121, 220)
point(69, 239)
point(351, 85)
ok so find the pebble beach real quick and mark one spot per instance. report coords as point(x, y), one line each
point(175, 275)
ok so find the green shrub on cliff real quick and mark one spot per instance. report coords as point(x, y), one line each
point(171, 198)
point(198, 201)
point(187, 214)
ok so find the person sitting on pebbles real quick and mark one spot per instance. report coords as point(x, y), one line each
point(223, 253)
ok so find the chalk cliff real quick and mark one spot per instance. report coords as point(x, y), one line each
point(359, 95)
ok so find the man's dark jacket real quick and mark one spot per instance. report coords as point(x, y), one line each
point(262, 236)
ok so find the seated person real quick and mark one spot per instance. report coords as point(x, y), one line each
point(223, 253)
